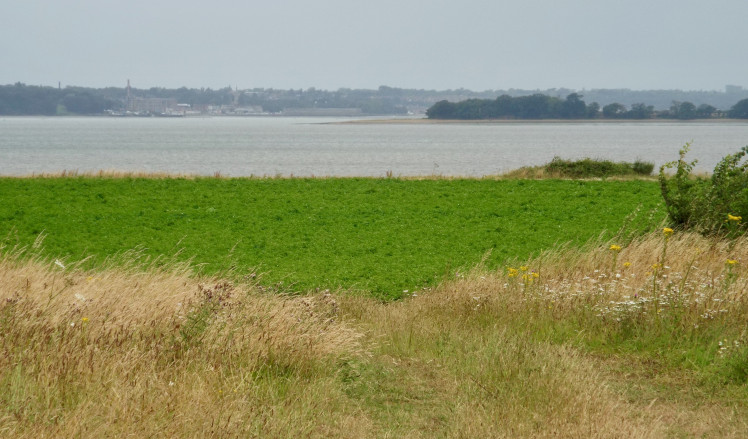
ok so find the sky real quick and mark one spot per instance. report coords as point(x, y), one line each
point(331, 44)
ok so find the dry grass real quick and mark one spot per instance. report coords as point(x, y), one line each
point(144, 352)
point(113, 173)
point(133, 350)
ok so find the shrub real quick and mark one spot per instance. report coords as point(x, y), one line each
point(587, 167)
point(643, 168)
point(714, 205)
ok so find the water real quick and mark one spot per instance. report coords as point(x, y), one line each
point(313, 146)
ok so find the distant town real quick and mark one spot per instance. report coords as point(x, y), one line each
point(128, 100)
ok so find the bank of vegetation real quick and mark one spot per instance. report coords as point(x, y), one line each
point(540, 106)
point(586, 168)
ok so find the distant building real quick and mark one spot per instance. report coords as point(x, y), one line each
point(150, 105)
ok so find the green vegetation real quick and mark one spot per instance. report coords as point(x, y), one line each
point(739, 110)
point(540, 106)
point(379, 235)
point(712, 205)
point(589, 168)
point(20, 99)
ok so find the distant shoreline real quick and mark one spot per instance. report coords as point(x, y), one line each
point(425, 121)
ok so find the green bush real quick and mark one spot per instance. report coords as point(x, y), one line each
point(589, 168)
point(643, 168)
point(711, 205)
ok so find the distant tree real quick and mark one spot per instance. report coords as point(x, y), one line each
point(503, 106)
point(593, 110)
point(83, 102)
point(614, 110)
point(640, 111)
point(683, 110)
point(474, 109)
point(705, 111)
point(442, 110)
point(739, 110)
point(573, 107)
point(20, 99)
point(536, 106)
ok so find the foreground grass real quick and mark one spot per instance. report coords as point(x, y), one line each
point(381, 236)
point(578, 343)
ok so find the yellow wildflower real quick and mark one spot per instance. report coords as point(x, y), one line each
point(731, 262)
point(615, 248)
point(512, 272)
point(656, 266)
point(523, 268)
point(627, 264)
point(84, 320)
point(667, 231)
point(734, 218)
point(535, 274)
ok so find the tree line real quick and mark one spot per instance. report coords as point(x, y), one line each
point(21, 99)
point(540, 106)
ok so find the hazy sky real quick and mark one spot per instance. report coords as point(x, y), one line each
point(329, 44)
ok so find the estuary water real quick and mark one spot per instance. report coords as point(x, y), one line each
point(275, 146)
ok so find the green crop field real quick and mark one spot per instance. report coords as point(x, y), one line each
point(380, 236)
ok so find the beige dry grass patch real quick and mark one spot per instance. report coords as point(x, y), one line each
point(149, 352)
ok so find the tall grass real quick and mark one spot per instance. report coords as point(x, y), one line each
point(643, 341)
point(145, 352)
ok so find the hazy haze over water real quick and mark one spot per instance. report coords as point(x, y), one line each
point(306, 146)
